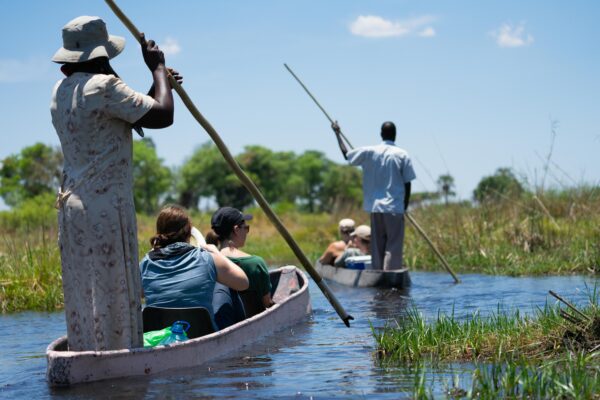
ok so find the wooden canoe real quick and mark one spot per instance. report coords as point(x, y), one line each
point(292, 306)
point(365, 277)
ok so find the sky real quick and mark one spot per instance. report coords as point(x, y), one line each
point(472, 86)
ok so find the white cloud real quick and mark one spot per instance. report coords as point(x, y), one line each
point(373, 26)
point(512, 36)
point(170, 46)
point(34, 69)
point(427, 32)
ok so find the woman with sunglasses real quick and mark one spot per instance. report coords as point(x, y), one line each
point(229, 233)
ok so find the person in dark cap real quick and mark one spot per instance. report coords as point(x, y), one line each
point(387, 175)
point(229, 233)
point(93, 112)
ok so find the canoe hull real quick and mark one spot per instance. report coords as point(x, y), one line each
point(366, 277)
point(68, 367)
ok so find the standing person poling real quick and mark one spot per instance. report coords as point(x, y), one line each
point(387, 176)
point(93, 112)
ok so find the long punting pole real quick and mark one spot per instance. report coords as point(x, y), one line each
point(410, 218)
point(246, 181)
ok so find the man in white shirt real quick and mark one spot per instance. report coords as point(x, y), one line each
point(387, 175)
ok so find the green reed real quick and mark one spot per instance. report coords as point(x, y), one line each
point(501, 336)
point(573, 376)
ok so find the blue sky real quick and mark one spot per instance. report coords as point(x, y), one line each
point(471, 85)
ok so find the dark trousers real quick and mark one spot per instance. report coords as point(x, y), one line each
point(387, 240)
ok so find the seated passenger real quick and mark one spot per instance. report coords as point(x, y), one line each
point(361, 242)
point(229, 233)
point(335, 249)
point(176, 274)
point(228, 306)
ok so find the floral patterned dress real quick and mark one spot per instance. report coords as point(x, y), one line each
point(92, 115)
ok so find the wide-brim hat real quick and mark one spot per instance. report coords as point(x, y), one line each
point(86, 38)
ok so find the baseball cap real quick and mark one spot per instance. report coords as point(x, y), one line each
point(363, 232)
point(225, 218)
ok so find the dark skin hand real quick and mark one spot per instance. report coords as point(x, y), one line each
point(338, 135)
point(161, 113)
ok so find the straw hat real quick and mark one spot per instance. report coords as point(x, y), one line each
point(86, 38)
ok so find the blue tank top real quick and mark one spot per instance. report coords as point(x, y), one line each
point(179, 275)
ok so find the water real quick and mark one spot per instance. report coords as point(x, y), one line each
point(321, 358)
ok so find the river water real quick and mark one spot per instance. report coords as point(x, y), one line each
point(317, 359)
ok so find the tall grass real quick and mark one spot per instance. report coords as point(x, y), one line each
point(553, 233)
point(557, 233)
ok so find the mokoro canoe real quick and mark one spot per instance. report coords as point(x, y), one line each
point(364, 277)
point(292, 306)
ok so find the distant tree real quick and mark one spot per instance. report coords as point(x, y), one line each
point(342, 188)
point(36, 170)
point(206, 174)
point(503, 184)
point(269, 170)
point(151, 179)
point(311, 167)
point(445, 186)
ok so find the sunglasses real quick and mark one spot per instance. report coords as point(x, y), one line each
point(244, 226)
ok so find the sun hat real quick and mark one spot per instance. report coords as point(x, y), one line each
point(86, 38)
point(225, 218)
point(363, 232)
point(346, 225)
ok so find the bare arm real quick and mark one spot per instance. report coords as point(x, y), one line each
point(407, 188)
point(228, 273)
point(338, 135)
point(331, 253)
point(161, 113)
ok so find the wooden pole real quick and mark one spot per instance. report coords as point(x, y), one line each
point(408, 216)
point(571, 306)
point(315, 100)
point(432, 245)
point(246, 181)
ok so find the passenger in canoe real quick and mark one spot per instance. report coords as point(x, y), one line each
point(229, 232)
point(361, 246)
point(335, 249)
point(176, 274)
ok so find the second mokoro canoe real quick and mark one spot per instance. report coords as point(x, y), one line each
point(365, 277)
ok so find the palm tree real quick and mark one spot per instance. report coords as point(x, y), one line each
point(446, 184)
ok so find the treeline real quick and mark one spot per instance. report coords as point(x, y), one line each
point(308, 181)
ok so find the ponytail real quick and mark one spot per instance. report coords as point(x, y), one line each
point(213, 238)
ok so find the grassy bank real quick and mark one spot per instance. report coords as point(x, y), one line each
point(558, 233)
point(539, 356)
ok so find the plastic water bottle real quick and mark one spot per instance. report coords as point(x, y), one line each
point(178, 333)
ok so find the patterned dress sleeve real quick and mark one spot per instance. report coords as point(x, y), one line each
point(124, 103)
